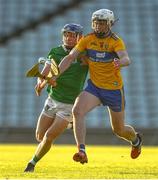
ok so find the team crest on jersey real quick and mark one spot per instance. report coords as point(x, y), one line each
point(101, 44)
point(116, 83)
point(106, 46)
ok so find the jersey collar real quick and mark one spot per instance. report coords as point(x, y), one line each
point(66, 49)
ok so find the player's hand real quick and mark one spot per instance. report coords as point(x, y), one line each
point(117, 63)
point(52, 81)
point(84, 59)
point(41, 83)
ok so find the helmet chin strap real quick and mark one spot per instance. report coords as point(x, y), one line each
point(103, 34)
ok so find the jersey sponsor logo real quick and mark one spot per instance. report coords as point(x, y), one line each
point(100, 60)
point(100, 55)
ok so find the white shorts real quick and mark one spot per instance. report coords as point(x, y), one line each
point(54, 108)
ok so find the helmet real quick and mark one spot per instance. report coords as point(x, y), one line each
point(104, 14)
point(72, 27)
point(77, 29)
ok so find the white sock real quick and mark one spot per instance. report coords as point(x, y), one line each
point(32, 162)
point(136, 142)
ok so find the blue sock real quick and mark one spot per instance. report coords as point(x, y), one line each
point(82, 148)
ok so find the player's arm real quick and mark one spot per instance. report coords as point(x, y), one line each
point(41, 82)
point(65, 63)
point(46, 69)
point(123, 59)
point(83, 59)
point(67, 60)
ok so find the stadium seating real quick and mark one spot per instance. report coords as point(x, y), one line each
point(137, 25)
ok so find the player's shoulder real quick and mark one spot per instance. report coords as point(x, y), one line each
point(115, 36)
point(55, 50)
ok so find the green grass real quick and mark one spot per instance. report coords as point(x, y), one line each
point(105, 162)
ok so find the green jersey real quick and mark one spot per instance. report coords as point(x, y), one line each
point(71, 82)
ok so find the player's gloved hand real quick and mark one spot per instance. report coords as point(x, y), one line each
point(41, 83)
point(117, 63)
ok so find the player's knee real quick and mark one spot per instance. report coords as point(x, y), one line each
point(77, 112)
point(39, 136)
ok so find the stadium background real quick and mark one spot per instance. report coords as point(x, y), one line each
point(28, 29)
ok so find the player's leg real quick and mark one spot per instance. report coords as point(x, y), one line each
point(118, 126)
point(51, 134)
point(83, 104)
point(44, 122)
point(116, 103)
point(126, 132)
point(46, 118)
point(61, 121)
point(53, 131)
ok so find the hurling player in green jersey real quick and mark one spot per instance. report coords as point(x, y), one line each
point(56, 114)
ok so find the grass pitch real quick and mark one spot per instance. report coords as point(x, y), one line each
point(105, 162)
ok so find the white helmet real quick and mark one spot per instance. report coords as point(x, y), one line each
point(104, 14)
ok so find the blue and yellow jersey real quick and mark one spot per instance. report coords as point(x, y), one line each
point(101, 52)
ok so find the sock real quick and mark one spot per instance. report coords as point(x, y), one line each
point(34, 160)
point(82, 148)
point(136, 142)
